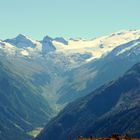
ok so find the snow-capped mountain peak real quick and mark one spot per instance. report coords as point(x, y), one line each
point(21, 41)
point(21, 37)
point(95, 48)
point(47, 45)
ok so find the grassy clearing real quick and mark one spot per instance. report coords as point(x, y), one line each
point(35, 132)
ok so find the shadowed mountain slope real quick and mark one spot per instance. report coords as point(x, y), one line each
point(114, 107)
point(21, 107)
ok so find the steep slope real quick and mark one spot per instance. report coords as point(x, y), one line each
point(22, 109)
point(104, 111)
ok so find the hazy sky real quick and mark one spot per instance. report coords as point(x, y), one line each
point(68, 18)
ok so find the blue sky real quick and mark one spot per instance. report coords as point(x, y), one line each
point(68, 18)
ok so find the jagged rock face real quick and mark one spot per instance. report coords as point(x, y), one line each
point(47, 45)
point(112, 108)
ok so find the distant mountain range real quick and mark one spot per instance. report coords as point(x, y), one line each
point(57, 65)
point(112, 108)
point(58, 71)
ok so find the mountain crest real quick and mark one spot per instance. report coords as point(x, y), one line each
point(47, 39)
point(21, 41)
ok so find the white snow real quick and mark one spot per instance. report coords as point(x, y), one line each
point(24, 53)
point(98, 47)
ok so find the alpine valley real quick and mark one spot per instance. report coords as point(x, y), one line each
point(64, 85)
